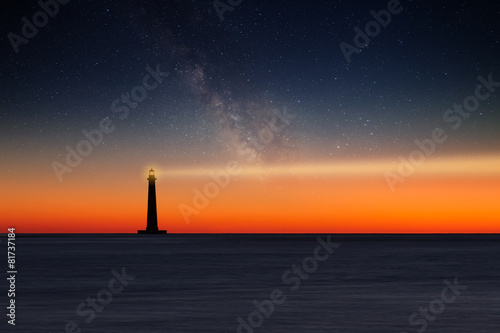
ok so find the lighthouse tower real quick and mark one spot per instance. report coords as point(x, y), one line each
point(152, 223)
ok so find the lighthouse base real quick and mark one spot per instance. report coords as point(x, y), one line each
point(152, 232)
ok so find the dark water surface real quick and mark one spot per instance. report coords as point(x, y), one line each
point(203, 283)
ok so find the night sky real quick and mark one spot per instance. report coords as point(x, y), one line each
point(339, 127)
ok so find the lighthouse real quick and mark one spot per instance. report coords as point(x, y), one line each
point(152, 222)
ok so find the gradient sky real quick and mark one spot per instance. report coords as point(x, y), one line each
point(316, 142)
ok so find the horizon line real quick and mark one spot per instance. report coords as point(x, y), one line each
point(261, 233)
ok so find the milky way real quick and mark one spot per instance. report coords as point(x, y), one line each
point(231, 82)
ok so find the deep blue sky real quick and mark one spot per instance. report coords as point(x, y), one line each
point(226, 77)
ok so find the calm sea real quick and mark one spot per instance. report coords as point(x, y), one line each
point(204, 283)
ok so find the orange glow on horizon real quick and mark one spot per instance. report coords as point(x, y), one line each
point(453, 195)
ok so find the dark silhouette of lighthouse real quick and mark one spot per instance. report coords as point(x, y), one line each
point(152, 226)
